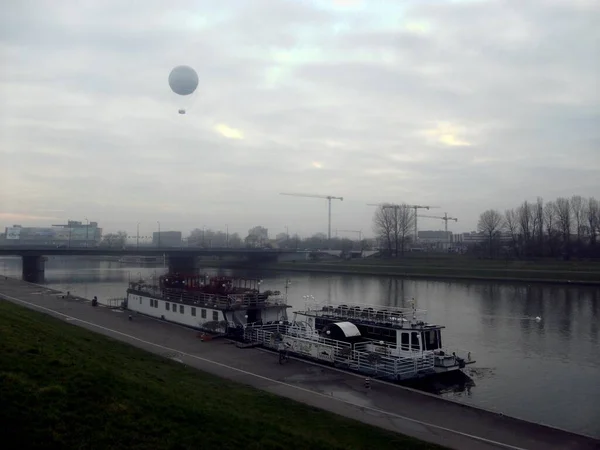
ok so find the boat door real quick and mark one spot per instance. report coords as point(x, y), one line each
point(253, 315)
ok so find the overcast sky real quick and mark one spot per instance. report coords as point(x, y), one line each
point(465, 105)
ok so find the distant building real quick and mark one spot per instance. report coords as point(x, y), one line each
point(434, 240)
point(476, 238)
point(167, 238)
point(72, 234)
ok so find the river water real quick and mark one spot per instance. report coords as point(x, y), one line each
point(544, 371)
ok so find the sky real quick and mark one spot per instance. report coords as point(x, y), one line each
point(463, 105)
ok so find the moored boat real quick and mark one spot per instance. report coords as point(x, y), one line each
point(222, 305)
point(386, 342)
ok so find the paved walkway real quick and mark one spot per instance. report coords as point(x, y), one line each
point(395, 408)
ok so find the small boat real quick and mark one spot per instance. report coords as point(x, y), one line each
point(384, 342)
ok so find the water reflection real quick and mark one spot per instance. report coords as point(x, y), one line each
point(544, 371)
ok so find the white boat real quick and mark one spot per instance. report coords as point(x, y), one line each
point(386, 342)
point(220, 305)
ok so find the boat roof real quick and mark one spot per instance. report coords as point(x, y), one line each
point(348, 328)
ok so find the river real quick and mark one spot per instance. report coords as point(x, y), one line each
point(544, 371)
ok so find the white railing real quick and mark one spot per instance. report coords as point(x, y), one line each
point(312, 306)
point(361, 357)
point(231, 301)
point(369, 314)
point(112, 302)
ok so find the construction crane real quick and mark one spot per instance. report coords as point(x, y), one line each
point(445, 218)
point(328, 197)
point(359, 232)
point(415, 207)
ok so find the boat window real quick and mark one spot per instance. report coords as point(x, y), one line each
point(215, 315)
point(203, 314)
point(181, 309)
point(193, 311)
point(414, 341)
point(167, 306)
point(140, 300)
point(431, 339)
point(405, 341)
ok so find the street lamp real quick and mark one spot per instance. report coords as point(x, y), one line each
point(137, 237)
point(227, 236)
point(87, 229)
point(158, 241)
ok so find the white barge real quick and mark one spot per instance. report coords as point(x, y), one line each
point(219, 305)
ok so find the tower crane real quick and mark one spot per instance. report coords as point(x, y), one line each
point(445, 218)
point(328, 197)
point(415, 207)
point(359, 232)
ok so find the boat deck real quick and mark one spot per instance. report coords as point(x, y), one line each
point(227, 303)
point(399, 409)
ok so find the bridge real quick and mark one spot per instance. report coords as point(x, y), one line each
point(180, 259)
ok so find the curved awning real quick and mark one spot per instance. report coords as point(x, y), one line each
point(348, 328)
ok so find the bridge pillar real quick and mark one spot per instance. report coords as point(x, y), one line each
point(33, 268)
point(182, 264)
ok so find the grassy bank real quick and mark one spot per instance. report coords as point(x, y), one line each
point(451, 267)
point(65, 387)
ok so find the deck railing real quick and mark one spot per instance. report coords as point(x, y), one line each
point(359, 357)
point(231, 301)
point(387, 316)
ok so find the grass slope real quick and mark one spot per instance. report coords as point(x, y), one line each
point(65, 387)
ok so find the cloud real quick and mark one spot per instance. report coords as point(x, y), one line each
point(447, 134)
point(228, 132)
point(453, 103)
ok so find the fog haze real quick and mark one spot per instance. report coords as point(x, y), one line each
point(466, 105)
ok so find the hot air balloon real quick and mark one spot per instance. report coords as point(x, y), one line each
point(183, 81)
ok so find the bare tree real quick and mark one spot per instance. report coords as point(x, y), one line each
point(593, 219)
point(384, 227)
point(578, 215)
point(564, 221)
point(405, 223)
point(490, 223)
point(393, 224)
point(550, 224)
point(525, 221)
point(511, 223)
point(538, 224)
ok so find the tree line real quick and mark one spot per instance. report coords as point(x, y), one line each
point(564, 227)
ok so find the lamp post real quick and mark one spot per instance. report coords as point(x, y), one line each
point(227, 236)
point(87, 229)
point(137, 236)
point(158, 240)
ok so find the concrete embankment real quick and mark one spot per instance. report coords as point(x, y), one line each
point(388, 406)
